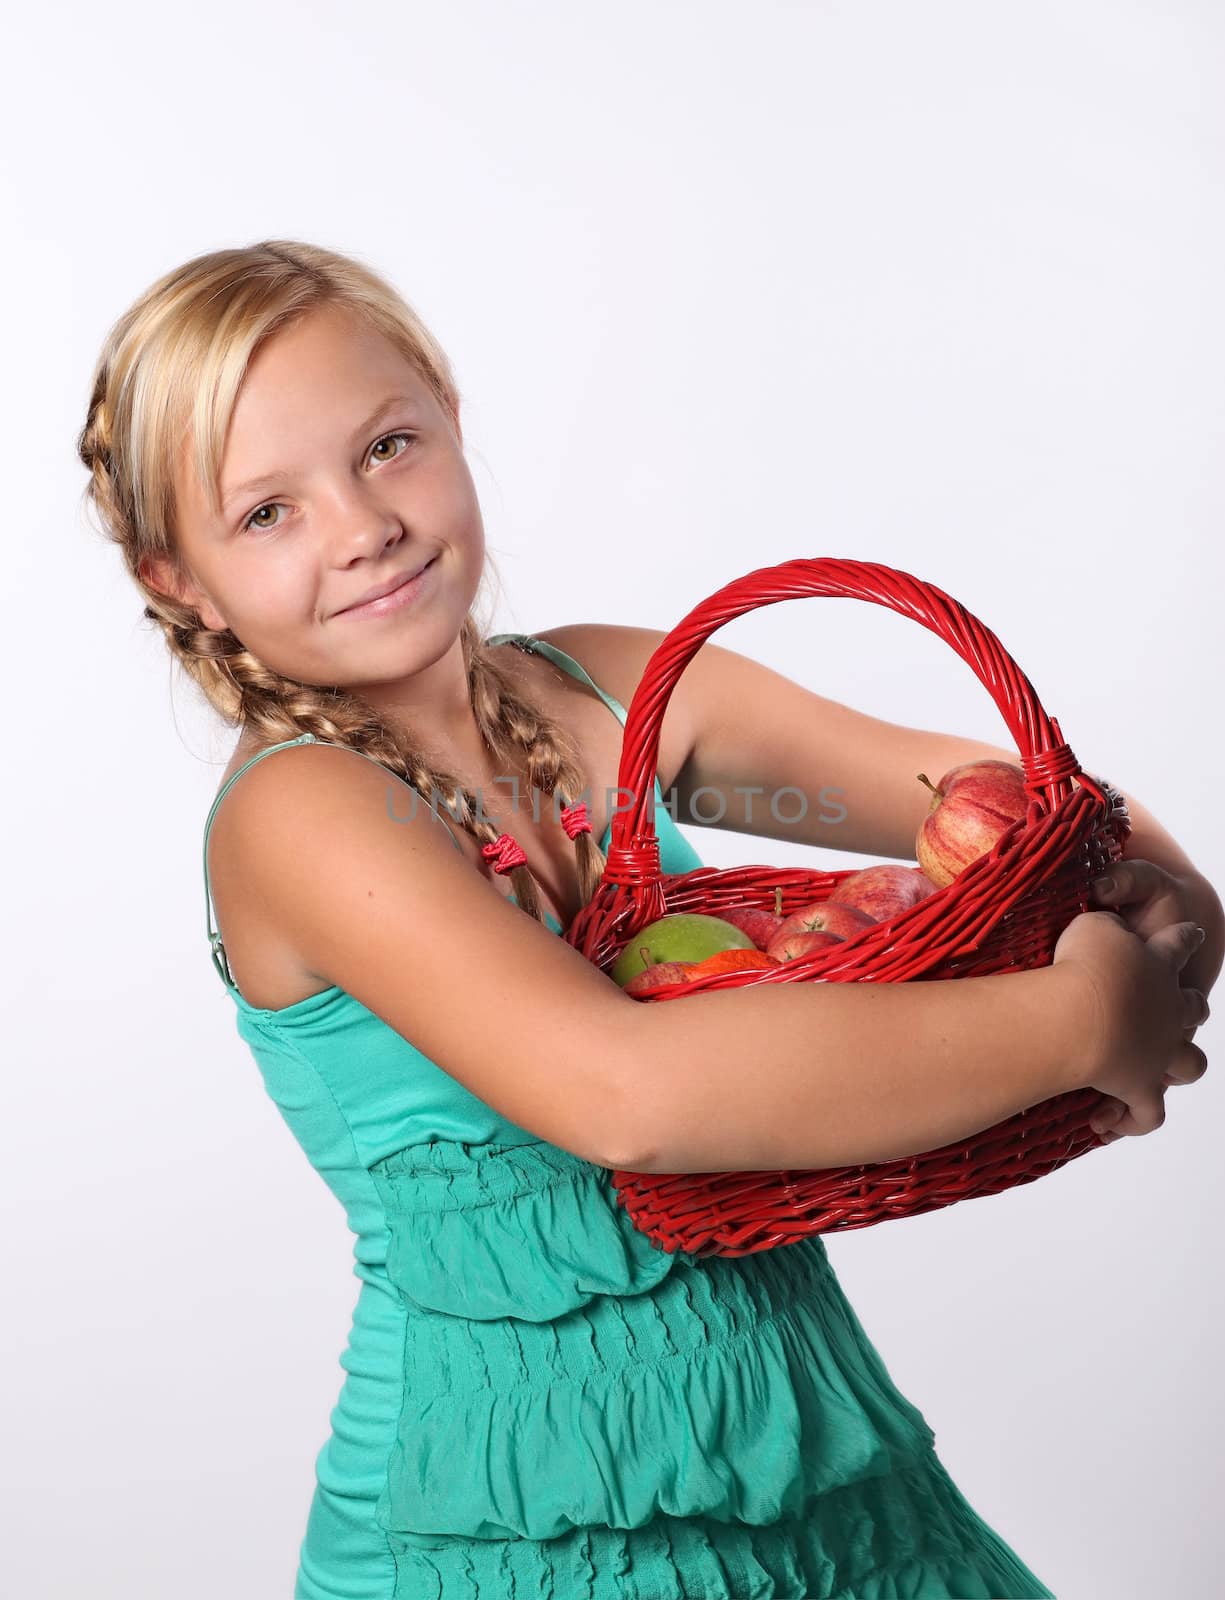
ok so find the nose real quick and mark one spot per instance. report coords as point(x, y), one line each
point(361, 523)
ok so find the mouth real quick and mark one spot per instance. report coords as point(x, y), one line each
point(399, 593)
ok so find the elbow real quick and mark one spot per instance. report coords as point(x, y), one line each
point(631, 1153)
point(626, 1140)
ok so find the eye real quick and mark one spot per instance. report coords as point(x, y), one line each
point(262, 527)
point(384, 440)
point(269, 505)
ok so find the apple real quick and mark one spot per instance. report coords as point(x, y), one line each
point(831, 921)
point(971, 806)
point(759, 924)
point(661, 976)
point(790, 945)
point(680, 936)
point(884, 891)
point(822, 917)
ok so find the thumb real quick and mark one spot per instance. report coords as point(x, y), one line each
point(1177, 942)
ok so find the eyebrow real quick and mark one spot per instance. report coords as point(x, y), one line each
point(392, 403)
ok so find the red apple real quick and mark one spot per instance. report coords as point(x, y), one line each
point(971, 807)
point(660, 976)
point(883, 892)
point(790, 945)
point(836, 922)
point(761, 926)
point(823, 917)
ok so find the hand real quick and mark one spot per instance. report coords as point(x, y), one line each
point(1137, 1039)
point(1147, 897)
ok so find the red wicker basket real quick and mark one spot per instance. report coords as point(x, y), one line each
point(1003, 913)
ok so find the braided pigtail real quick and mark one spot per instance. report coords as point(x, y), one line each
point(520, 735)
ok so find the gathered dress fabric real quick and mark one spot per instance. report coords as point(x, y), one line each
point(540, 1404)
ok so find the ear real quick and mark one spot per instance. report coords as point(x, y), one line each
point(160, 573)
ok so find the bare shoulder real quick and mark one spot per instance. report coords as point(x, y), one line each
point(615, 655)
point(256, 809)
point(382, 906)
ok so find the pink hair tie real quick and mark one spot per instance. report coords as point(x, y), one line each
point(574, 819)
point(509, 853)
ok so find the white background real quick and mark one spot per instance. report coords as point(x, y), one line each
point(932, 285)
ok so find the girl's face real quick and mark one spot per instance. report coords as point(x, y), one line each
point(363, 480)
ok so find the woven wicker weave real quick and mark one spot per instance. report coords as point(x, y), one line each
point(1003, 913)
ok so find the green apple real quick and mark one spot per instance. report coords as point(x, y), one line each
point(680, 936)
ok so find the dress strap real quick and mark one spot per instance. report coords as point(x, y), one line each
point(542, 647)
point(567, 663)
point(214, 937)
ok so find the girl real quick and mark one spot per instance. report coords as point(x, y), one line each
point(538, 1402)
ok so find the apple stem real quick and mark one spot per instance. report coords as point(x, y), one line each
point(778, 902)
point(923, 778)
point(645, 952)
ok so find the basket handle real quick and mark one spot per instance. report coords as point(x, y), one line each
point(1047, 762)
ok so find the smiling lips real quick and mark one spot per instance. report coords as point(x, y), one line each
point(383, 589)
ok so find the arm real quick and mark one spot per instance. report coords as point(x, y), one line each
point(736, 733)
point(394, 915)
point(750, 728)
point(814, 1075)
point(836, 1073)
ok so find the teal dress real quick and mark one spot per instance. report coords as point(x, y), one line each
point(540, 1403)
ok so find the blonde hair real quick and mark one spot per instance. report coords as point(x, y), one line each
point(176, 361)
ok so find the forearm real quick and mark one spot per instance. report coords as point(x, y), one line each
point(814, 1075)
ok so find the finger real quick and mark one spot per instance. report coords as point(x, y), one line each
point(1177, 942)
point(1114, 916)
point(1129, 881)
point(1194, 1008)
point(1107, 1113)
point(1188, 1066)
point(1145, 1114)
